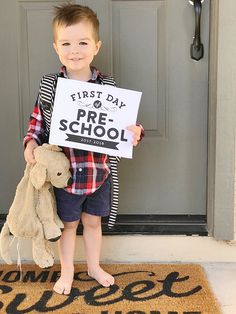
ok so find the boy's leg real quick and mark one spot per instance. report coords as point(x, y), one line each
point(92, 236)
point(66, 249)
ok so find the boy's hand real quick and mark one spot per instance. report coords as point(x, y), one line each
point(136, 130)
point(29, 151)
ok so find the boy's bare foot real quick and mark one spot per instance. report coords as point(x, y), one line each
point(102, 277)
point(64, 283)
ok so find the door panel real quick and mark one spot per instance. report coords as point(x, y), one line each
point(36, 52)
point(140, 63)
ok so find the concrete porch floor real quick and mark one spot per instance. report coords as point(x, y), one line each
point(222, 277)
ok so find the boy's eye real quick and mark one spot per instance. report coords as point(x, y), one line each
point(83, 43)
point(65, 44)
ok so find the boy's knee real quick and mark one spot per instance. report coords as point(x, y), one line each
point(91, 221)
point(71, 225)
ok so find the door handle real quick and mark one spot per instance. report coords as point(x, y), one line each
point(197, 48)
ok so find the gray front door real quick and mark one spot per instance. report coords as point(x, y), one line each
point(146, 46)
point(150, 52)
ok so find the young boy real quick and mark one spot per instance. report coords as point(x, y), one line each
point(76, 41)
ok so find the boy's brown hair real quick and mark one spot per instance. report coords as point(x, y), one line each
point(69, 14)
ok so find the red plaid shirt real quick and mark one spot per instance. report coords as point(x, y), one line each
point(89, 170)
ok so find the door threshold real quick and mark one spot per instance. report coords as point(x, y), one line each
point(188, 225)
point(157, 225)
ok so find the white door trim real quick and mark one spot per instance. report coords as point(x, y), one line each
point(222, 120)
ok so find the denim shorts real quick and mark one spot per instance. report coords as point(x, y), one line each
point(70, 206)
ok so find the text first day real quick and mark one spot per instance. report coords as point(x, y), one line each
point(97, 94)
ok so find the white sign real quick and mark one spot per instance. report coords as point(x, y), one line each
point(94, 117)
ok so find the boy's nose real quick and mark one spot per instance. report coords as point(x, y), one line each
point(75, 49)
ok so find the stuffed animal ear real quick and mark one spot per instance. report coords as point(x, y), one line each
point(54, 148)
point(38, 175)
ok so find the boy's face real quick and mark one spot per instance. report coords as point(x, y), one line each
point(76, 46)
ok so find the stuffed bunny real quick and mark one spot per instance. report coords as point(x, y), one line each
point(33, 211)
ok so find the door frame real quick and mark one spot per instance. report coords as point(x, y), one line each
point(222, 121)
point(212, 112)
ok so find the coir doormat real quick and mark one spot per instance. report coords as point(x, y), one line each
point(138, 289)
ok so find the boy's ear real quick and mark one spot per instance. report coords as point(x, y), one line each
point(55, 47)
point(98, 46)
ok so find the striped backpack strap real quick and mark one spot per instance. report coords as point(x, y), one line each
point(108, 80)
point(48, 87)
point(115, 191)
point(47, 94)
